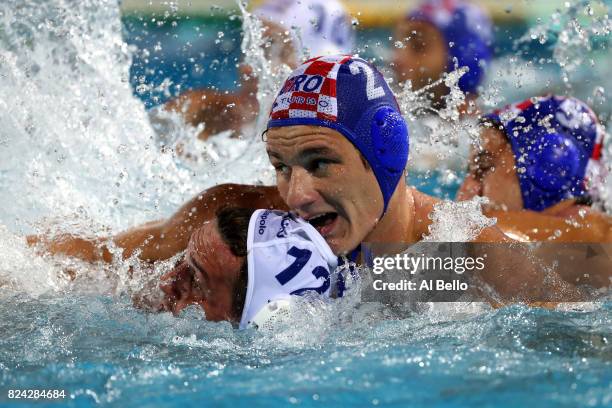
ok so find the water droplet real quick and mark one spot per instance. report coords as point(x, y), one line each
point(142, 88)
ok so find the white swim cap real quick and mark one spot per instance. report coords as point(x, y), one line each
point(317, 27)
point(286, 256)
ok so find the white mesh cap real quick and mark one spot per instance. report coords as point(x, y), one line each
point(317, 27)
point(286, 256)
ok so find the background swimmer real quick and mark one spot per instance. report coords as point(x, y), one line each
point(439, 35)
point(295, 30)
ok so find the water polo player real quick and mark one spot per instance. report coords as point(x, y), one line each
point(295, 30)
point(246, 264)
point(339, 146)
point(542, 155)
point(438, 36)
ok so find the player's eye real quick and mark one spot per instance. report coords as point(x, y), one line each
point(281, 168)
point(318, 165)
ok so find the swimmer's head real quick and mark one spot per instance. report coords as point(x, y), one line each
point(538, 153)
point(438, 35)
point(246, 260)
point(299, 29)
point(214, 272)
point(339, 144)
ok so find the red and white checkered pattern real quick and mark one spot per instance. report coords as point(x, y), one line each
point(310, 91)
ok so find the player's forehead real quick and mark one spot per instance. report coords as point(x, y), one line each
point(207, 250)
point(295, 141)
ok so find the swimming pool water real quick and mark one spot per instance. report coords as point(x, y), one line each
point(77, 147)
point(104, 352)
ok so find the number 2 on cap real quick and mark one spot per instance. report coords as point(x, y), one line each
point(371, 91)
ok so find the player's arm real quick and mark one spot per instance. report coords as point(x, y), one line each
point(218, 111)
point(163, 239)
point(518, 273)
point(512, 274)
point(593, 227)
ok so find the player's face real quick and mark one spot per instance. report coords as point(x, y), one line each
point(207, 277)
point(422, 56)
point(492, 173)
point(322, 178)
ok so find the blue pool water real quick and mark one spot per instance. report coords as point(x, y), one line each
point(104, 352)
point(77, 149)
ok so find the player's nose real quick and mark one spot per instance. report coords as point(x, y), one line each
point(301, 192)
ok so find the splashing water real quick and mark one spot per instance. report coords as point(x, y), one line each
point(574, 27)
point(76, 145)
point(270, 74)
point(77, 148)
point(70, 121)
point(440, 137)
point(458, 221)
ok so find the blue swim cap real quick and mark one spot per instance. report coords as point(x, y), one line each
point(468, 33)
point(349, 95)
point(555, 141)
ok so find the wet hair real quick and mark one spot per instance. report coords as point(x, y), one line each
point(233, 226)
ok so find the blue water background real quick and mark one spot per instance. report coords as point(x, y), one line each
point(103, 351)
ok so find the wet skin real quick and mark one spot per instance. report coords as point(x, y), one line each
point(206, 277)
point(320, 173)
point(492, 174)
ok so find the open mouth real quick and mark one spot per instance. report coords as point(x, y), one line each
point(324, 223)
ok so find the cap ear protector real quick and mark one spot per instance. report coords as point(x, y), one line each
point(388, 133)
point(549, 168)
point(555, 164)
